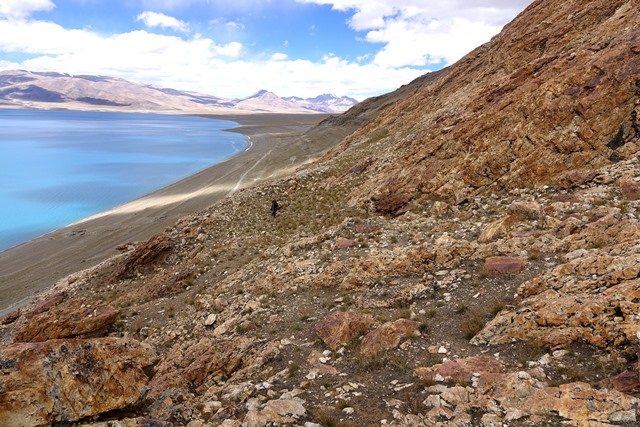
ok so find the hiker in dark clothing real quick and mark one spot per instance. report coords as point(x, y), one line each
point(274, 207)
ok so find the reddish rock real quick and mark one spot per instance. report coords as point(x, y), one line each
point(62, 381)
point(342, 243)
point(144, 256)
point(503, 264)
point(627, 382)
point(46, 304)
point(72, 319)
point(339, 328)
point(526, 209)
point(363, 227)
point(462, 370)
point(574, 178)
point(11, 317)
point(630, 189)
point(192, 364)
point(591, 299)
point(388, 336)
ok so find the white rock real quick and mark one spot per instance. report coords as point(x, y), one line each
point(442, 350)
point(348, 410)
point(211, 319)
point(558, 354)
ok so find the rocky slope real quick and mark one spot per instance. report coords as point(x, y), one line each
point(557, 88)
point(468, 257)
point(26, 89)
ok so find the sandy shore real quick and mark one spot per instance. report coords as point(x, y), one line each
point(278, 147)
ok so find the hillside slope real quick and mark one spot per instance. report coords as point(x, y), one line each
point(468, 256)
point(557, 89)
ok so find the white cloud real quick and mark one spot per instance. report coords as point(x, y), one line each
point(419, 32)
point(20, 9)
point(197, 64)
point(154, 19)
point(410, 33)
point(279, 57)
point(235, 25)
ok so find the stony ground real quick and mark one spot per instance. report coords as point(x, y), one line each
point(517, 308)
point(468, 256)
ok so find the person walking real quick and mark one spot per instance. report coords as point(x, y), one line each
point(274, 207)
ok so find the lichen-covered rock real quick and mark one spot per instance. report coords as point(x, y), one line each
point(61, 381)
point(65, 319)
point(461, 370)
point(388, 336)
point(339, 328)
point(592, 298)
point(198, 364)
point(276, 412)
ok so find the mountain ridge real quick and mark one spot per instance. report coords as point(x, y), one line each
point(19, 88)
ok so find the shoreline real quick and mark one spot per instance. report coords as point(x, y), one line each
point(277, 147)
point(107, 211)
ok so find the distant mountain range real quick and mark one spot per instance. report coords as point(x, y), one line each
point(19, 88)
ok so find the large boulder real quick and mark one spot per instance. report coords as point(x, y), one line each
point(62, 381)
point(64, 320)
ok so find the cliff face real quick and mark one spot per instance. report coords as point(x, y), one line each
point(467, 257)
point(558, 89)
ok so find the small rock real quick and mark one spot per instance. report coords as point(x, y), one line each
point(211, 319)
point(503, 264)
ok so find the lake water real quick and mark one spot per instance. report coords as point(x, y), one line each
point(58, 167)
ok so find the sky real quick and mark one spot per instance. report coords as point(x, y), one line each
point(233, 48)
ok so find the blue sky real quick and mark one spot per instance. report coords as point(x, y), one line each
point(233, 48)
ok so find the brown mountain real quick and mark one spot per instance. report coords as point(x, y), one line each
point(466, 256)
point(25, 89)
point(557, 89)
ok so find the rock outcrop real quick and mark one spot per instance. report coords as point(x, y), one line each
point(62, 381)
point(66, 319)
point(144, 256)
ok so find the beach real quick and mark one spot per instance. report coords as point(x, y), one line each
point(278, 147)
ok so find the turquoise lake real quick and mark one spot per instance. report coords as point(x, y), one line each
point(58, 167)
